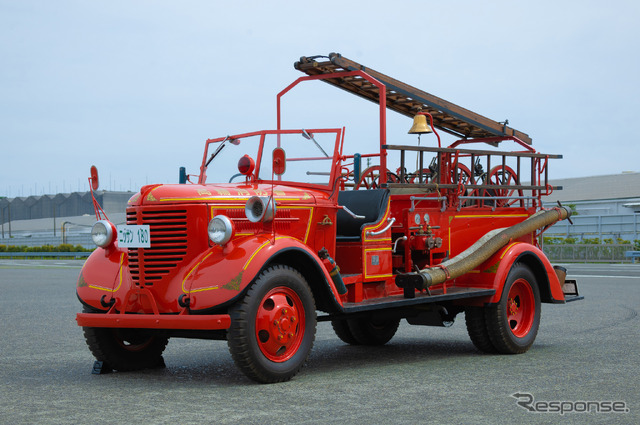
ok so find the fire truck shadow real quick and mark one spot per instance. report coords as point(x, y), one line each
point(204, 363)
point(194, 362)
point(334, 354)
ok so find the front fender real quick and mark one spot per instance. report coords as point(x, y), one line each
point(104, 275)
point(220, 275)
point(548, 283)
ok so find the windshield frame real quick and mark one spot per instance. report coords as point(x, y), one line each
point(335, 158)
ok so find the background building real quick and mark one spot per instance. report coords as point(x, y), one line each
point(56, 219)
point(608, 207)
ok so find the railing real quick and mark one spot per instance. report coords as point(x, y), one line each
point(83, 239)
point(488, 178)
point(587, 253)
point(43, 255)
point(625, 226)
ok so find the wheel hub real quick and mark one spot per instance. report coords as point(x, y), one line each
point(513, 306)
point(280, 324)
point(520, 308)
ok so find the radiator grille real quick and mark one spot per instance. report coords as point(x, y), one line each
point(168, 244)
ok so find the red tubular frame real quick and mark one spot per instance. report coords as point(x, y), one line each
point(339, 132)
point(382, 92)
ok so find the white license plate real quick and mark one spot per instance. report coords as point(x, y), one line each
point(134, 236)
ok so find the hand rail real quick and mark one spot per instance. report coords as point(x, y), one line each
point(379, 232)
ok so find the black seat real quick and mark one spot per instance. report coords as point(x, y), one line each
point(372, 204)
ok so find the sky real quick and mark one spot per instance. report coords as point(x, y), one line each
point(137, 87)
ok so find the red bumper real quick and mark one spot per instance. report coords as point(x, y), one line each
point(154, 321)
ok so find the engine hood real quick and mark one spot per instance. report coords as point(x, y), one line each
point(221, 193)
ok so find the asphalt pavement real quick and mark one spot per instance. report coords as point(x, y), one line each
point(585, 352)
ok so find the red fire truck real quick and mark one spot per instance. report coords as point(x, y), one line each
point(301, 231)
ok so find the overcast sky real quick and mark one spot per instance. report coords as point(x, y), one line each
point(136, 87)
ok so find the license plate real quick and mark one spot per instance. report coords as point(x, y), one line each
point(134, 236)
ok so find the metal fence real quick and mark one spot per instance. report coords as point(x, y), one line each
point(598, 226)
point(83, 239)
point(43, 255)
point(588, 253)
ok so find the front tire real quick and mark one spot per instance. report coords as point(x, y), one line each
point(513, 323)
point(126, 349)
point(273, 327)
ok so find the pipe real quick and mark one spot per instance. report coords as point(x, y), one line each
point(480, 251)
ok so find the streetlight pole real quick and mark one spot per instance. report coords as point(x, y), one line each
point(64, 235)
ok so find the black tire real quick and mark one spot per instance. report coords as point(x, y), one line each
point(373, 331)
point(126, 349)
point(341, 328)
point(477, 329)
point(273, 327)
point(513, 323)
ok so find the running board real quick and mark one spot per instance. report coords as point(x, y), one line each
point(399, 301)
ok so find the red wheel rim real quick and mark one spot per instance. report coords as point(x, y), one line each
point(505, 176)
point(280, 324)
point(520, 308)
point(464, 175)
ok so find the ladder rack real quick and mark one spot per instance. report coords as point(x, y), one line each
point(407, 100)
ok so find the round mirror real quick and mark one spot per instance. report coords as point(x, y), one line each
point(94, 178)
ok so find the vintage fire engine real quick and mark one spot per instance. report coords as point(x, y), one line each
point(303, 231)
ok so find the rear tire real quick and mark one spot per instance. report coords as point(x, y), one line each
point(373, 331)
point(513, 323)
point(341, 328)
point(477, 329)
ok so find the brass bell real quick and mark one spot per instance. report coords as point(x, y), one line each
point(420, 125)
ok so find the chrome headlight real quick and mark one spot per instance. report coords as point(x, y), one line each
point(220, 229)
point(102, 233)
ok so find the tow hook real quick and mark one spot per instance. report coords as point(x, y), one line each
point(106, 304)
point(184, 301)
